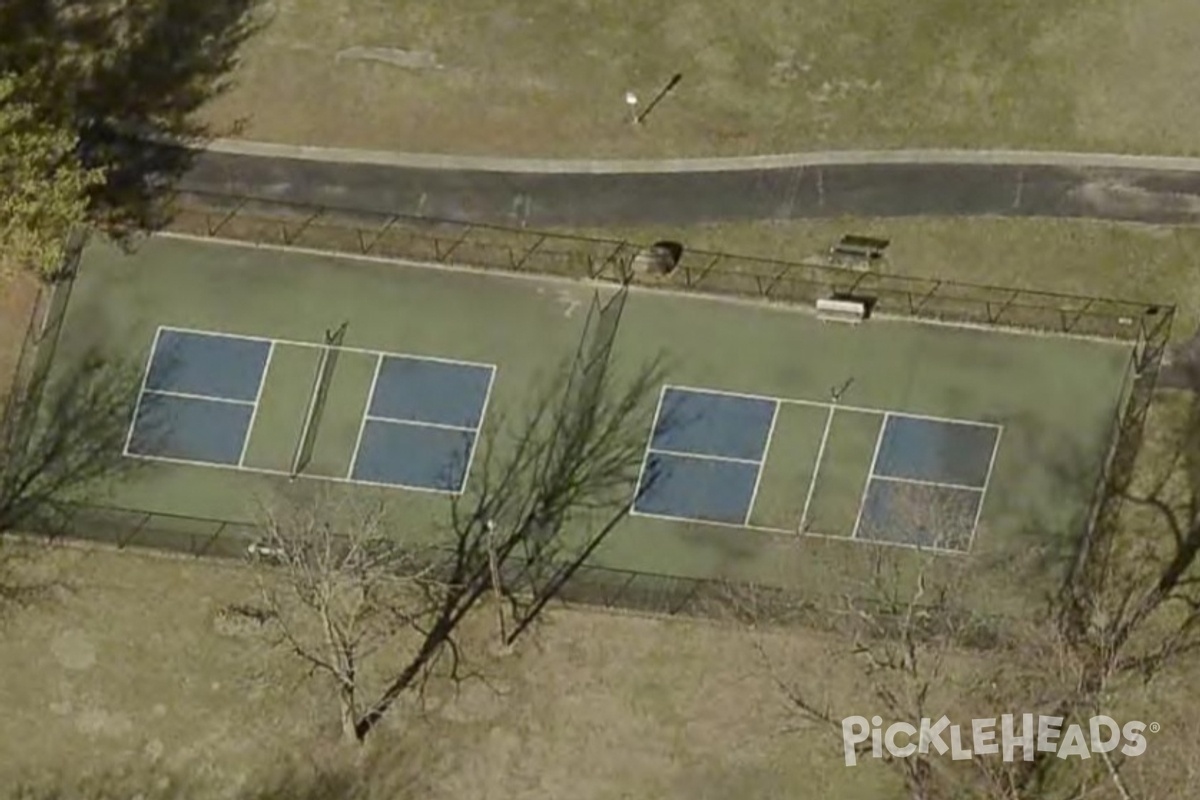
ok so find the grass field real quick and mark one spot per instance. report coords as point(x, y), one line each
point(128, 668)
point(1153, 264)
point(501, 77)
point(1054, 397)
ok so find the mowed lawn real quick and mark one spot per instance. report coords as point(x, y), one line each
point(505, 77)
point(1152, 264)
point(128, 667)
point(126, 670)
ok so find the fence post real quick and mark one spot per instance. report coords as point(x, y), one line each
point(457, 242)
point(778, 276)
point(937, 284)
point(1069, 326)
point(366, 249)
point(303, 226)
point(213, 230)
point(709, 268)
point(529, 252)
point(124, 541)
point(203, 549)
point(611, 256)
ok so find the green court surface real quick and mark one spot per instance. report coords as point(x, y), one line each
point(1051, 400)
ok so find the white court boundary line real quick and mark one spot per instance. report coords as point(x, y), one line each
point(962, 487)
point(362, 422)
point(762, 463)
point(341, 348)
point(833, 407)
point(788, 535)
point(143, 392)
point(870, 474)
point(812, 482)
point(987, 484)
point(137, 406)
point(380, 355)
point(416, 423)
point(637, 489)
point(487, 399)
point(759, 463)
point(206, 398)
point(747, 462)
point(262, 381)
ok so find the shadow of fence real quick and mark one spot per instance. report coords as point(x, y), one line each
point(459, 243)
point(364, 233)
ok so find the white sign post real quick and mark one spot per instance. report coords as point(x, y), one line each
point(631, 100)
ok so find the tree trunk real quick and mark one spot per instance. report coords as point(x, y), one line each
point(349, 716)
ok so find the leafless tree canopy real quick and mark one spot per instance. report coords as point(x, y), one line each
point(337, 595)
point(545, 491)
point(1130, 613)
point(60, 436)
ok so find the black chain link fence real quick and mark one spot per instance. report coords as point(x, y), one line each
point(442, 241)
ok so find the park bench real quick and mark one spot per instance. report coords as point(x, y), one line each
point(837, 309)
point(859, 248)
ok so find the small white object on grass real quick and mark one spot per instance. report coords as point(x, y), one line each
point(631, 100)
point(256, 550)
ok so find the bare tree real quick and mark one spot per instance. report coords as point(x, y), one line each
point(1128, 611)
point(545, 492)
point(61, 440)
point(339, 594)
point(902, 630)
point(60, 435)
point(906, 626)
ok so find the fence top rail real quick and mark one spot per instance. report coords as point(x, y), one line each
point(771, 266)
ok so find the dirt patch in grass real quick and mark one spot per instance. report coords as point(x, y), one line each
point(504, 77)
point(18, 297)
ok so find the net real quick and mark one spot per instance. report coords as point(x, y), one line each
point(318, 398)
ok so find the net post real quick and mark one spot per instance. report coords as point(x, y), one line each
point(324, 374)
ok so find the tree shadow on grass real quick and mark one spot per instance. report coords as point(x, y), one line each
point(120, 73)
point(61, 441)
point(62, 436)
point(318, 773)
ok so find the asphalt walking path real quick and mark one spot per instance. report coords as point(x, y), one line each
point(598, 194)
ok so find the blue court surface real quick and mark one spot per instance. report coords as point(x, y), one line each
point(925, 487)
point(705, 455)
point(201, 393)
point(199, 397)
point(927, 484)
point(421, 424)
